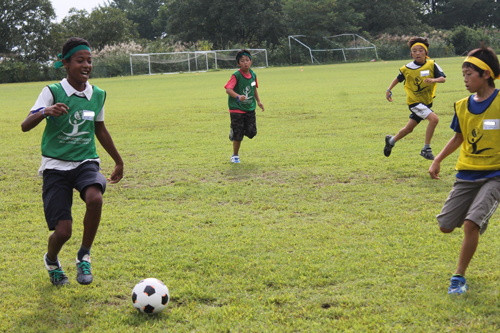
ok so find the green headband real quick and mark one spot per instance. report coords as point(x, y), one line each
point(58, 64)
point(243, 54)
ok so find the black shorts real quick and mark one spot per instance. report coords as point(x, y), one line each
point(58, 190)
point(243, 124)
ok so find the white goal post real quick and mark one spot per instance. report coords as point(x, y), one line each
point(191, 61)
point(332, 48)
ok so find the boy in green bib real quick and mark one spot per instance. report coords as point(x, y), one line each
point(476, 191)
point(73, 112)
point(243, 99)
point(420, 76)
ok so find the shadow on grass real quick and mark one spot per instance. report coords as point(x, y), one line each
point(242, 171)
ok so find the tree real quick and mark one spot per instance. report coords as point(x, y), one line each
point(24, 26)
point(447, 14)
point(321, 17)
point(104, 26)
point(247, 22)
point(389, 16)
point(144, 13)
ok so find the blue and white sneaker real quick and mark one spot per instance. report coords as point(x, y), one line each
point(458, 285)
point(235, 159)
point(56, 273)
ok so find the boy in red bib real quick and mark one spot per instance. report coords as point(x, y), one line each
point(242, 100)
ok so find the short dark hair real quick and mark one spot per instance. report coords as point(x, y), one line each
point(415, 40)
point(72, 43)
point(488, 56)
point(240, 54)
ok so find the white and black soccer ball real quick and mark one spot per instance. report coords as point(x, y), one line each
point(150, 296)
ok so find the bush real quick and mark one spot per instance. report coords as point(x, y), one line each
point(465, 39)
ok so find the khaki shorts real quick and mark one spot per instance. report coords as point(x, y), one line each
point(470, 200)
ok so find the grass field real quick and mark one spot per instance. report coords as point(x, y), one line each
point(315, 231)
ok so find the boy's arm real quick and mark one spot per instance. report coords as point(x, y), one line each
point(233, 94)
point(441, 79)
point(256, 94)
point(102, 134)
point(35, 117)
point(388, 93)
point(450, 147)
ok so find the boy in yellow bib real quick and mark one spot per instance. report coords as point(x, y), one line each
point(420, 76)
point(476, 192)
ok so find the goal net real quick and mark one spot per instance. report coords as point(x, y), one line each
point(329, 49)
point(192, 61)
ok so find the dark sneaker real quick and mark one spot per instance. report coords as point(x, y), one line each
point(458, 285)
point(83, 270)
point(427, 154)
point(231, 135)
point(57, 276)
point(388, 146)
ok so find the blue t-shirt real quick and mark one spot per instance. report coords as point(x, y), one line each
point(475, 108)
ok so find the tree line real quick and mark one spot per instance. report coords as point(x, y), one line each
point(29, 31)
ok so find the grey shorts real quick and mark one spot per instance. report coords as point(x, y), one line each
point(58, 190)
point(419, 112)
point(470, 200)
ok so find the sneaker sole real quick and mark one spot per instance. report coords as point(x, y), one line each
point(426, 157)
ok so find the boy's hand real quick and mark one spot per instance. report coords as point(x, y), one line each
point(434, 169)
point(56, 110)
point(388, 95)
point(261, 106)
point(429, 80)
point(117, 174)
point(241, 98)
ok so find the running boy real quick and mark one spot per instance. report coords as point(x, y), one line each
point(476, 192)
point(243, 99)
point(420, 76)
point(73, 111)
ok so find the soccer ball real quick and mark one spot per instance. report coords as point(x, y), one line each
point(150, 296)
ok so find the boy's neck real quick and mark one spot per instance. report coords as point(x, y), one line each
point(484, 93)
point(419, 63)
point(245, 72)
point(79, 86)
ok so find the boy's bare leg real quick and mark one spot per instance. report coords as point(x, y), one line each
point(469, 246)
point(93, 200)
point(236, 147)
point(433, 122)
point(61, 235)
point(405, 130)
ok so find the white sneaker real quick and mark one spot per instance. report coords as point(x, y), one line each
point(235, 159)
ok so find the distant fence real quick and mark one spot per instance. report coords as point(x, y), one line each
point(16, 71)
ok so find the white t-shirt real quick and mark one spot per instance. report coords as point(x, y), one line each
point(46, 99)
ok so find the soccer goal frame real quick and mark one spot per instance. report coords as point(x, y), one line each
point(336, 46)
point(193, 61)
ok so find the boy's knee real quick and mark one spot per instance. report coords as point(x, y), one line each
point(470, 226)
point(445, 231)
point(408, 130)
point(64, 230)
point(93, 197)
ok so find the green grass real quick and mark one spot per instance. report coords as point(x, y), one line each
point(315, 231)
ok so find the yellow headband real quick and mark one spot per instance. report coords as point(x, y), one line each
point(481, 64)
point(424, 46)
